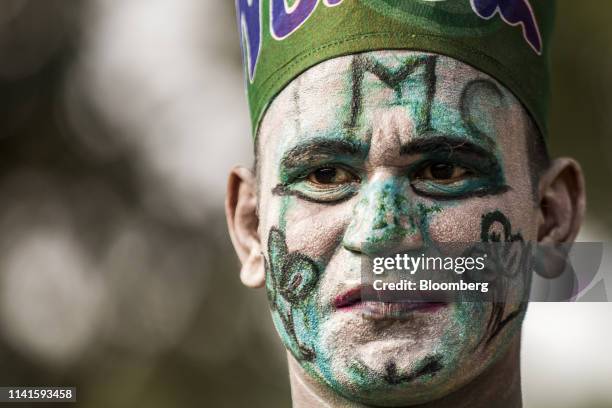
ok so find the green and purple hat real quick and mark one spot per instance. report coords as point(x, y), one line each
point(507, 39)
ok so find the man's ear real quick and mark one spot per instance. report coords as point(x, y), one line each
point(562, 202)
point(242, 222)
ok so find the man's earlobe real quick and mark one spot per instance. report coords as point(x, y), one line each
point(562, 202)
point(252, 273)
point(242, 222)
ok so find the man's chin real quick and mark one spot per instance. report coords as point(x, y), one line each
point(394, 363)
point(349, 337)
point(402, 355)
point(386, 378)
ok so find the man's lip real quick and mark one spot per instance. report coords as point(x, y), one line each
point(397, 310)
point(352, 299)
point(348, 299)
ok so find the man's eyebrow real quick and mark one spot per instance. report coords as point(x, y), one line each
point(444, 144)
point(319, 148)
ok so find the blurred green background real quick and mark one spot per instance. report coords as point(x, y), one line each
point(119, 122)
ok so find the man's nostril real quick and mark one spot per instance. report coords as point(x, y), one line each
point(352, 248)
point(352, 243)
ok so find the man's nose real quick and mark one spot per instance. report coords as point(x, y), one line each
point(384, 220)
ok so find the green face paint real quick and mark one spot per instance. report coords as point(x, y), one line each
point(382, 152)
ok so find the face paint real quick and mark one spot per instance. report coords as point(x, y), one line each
point(290, 280)
point(380, 152)
point(509, 265)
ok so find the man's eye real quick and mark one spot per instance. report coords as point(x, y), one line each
point(330, 176)
point(443, 173)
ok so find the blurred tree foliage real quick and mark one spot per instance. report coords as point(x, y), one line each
point(581, 117)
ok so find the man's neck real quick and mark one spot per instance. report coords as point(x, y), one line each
point(499, 386)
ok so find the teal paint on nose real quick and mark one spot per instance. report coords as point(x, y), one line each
point(384, 220)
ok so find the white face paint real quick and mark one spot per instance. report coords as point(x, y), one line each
point(342, 179)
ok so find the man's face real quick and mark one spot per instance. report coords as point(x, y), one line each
point(370, 154)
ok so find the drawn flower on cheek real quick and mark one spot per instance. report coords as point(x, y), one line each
point(293, 275)
point(291, 279)
point(507, 264)
point(510, 252)
point(299, 277)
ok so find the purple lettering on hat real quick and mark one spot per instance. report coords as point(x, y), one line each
point(513, 12)
point(285, 19)
point(249, 24)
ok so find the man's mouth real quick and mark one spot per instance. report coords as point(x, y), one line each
point(353, 300)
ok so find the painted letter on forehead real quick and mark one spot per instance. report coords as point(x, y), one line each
point(393, 78)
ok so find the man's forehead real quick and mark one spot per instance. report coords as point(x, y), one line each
point(415, 92)
point(335, 72)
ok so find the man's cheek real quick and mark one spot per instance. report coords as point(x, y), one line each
point(291, 282)
point(317, 230)
point(498, 225)
point(456, 223)
point(342, 272)
point(462, 221)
